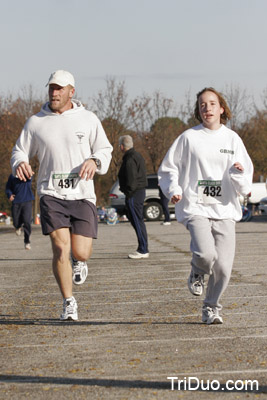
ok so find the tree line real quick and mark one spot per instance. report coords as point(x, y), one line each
point(154, 121)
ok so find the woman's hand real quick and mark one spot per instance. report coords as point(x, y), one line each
point(238, 166)
point(176, 198)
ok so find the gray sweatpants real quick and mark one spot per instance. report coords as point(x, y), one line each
point(213, 250)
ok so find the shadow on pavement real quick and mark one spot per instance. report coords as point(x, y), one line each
point(135, 384)
point(57, 322)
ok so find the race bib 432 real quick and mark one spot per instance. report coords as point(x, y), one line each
point(209, 192)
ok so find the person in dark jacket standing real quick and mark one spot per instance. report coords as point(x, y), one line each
point(133, 181)
point(165, 207)
point(21, 196)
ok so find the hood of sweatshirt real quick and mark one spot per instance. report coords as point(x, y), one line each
point(77, 106)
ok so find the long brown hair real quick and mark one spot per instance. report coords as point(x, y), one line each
point(225, 116)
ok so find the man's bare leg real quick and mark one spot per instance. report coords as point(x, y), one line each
point(61, 260)
point(81, 247)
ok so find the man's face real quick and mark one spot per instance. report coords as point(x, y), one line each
point(60, 98)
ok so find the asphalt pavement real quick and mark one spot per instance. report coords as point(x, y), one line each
point(139, 333)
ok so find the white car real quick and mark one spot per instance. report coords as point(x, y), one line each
point(258, 191)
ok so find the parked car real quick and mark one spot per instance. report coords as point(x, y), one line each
point(3, 216)
point(263, 206)
point(152, 206)
point(258, 191)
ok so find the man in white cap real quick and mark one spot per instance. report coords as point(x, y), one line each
point(71, 146)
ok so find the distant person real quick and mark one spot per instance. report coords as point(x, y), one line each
point(71, 146)
point(102, 214)
point(203, 173)
point(21, 196)
point(133, 181)
point(165, 207)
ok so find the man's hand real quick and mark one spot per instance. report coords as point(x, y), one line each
point(176, 198)
point(238, 166)
point(24, 171)
point(88, 169)
point(12, 197)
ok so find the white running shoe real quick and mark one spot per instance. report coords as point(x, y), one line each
point(69, 309)
point(18, 231)
point(80, 272)
point(166, 223)
point(138, 255)
point(195, 283)
point(27, 246)
point(211, 316)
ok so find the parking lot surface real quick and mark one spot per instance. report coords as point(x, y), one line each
point(139, 333)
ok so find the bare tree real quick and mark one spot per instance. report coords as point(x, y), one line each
point(155, 121)
point(112, 109)
point(28, 102)
point(186, 111)
point(264, 98)
point(240, 104)
point(160, 137)
point(145, 110)
point(112, 102)
point(13, 115)
point(254, 135)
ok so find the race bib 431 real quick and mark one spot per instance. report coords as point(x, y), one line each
point(66, 183)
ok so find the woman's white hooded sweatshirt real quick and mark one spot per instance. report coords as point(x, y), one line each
point(199, 167)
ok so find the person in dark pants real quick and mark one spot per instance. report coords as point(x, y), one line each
point(133, 181)
point(21, 195)
point(165, 207)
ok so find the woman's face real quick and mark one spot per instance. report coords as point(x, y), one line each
point(210, 110)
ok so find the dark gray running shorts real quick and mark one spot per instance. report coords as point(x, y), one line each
point(78, 215)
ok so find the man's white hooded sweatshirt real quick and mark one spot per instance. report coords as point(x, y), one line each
point(199, 167)
point(62, 143)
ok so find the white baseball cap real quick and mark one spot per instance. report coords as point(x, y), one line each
point(61, 78)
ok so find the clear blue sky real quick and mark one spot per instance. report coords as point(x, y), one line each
point(167, 45)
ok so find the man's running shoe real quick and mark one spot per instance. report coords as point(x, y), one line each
point(27, 246)
point(211, 316)
point(18, 231)
point(80, 272)
point(196, 283)
point(69, 309)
